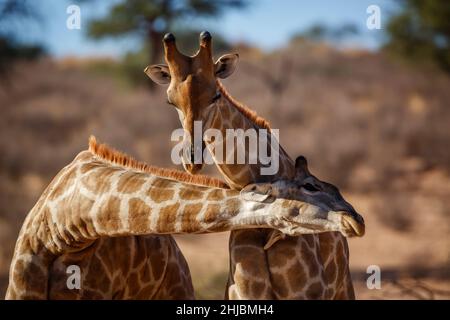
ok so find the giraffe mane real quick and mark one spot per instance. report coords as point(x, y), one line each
point(114, 156)
point(242, 108)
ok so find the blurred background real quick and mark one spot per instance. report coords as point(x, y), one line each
point(368, 107)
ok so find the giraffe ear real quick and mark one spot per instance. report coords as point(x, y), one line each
point(301, 165)
point(260, 192)
point(159, 73)
point(226, 65)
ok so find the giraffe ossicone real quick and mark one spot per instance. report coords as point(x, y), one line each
point(105, 195)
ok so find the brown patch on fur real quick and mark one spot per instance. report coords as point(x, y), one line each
point(109, 217)
point(90, 294)
point(99, 279)
point(111, 155)
point(98, 182)
point(232, 206)
point(139, 215)
point(146, 292)
point(340, 273)
point(167, 218)
point(88, 166)
point(117, 284)
point(258, 287)
point(133, 284)
point(250, 236)
point(190, 215)
point(83, 156)
point(250, 261)
point(310, 240)
point(130, 182)
point(79, 225)
point(246, 111)
point(280, 285)
point(297, 276)
point(190, 194)
point(331, 272)
point(315, 291)
point(193, 209)
point(215, 195)
point(160, 194)
point(284, 251)
point(158, 253)
point(144, 272)
point(28, 275)
point(163, 184)
point(211, 212)
point(140, 255)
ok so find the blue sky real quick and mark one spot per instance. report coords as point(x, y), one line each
point(266, 23)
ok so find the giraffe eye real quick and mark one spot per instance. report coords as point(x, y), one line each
point(309, 187)
point(216, 97)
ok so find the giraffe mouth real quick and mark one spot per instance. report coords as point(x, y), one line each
point(352, 224)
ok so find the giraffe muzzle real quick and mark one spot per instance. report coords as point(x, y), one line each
point(352, 224)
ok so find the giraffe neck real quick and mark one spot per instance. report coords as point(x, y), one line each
point(331, 248)
point(227, 114)
point(94, 199)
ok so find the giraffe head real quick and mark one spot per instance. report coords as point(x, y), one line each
point(192, 83)
point(320, 204)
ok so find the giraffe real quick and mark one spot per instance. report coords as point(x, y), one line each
point(110, 215)
point(304, 267)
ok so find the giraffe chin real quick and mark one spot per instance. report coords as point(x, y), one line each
point(352, 225)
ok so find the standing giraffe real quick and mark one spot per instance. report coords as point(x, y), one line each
point(306, 267)
point(99, 213)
